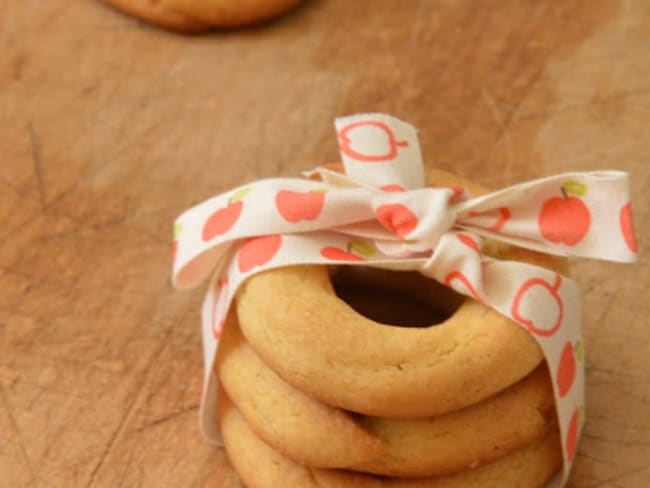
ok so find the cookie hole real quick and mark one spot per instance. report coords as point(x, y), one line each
point(397, 298)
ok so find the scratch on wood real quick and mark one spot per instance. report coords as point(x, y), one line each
point(120, 427)
point(21, 445)
point(36, 157)
point(18, 66)
point(167, 418)
point(493, 106)
point(109, 446)
point(510, 114)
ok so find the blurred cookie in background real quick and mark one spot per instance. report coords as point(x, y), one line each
point(200, 15)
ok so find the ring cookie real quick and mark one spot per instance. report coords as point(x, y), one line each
point(362, 365)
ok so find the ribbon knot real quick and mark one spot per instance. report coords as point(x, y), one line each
point(379, 214)
point(418, 218)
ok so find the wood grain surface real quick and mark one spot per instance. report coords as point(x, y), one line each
point(109, 128)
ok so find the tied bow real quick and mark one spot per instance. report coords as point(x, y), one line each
point(380, 214)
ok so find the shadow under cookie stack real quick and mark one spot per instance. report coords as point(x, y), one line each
point(336, 377)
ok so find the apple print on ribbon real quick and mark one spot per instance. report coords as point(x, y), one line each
point(580, 351)
point(392, 187)
point(572, 435)
point(360, 249)
point(582, 416)
point(219, 306)
point(223, 219)
point(257, 251)
point(338, 254)
point(501, 214)
point(457, 275)
point(346, 138)
point(295, 206)
point(627, 227)
point(565, 219)
point(566, 371)
point(469, 242)
point(177, 230)
point(397, 218)
point(459, 192)
point(538, 289)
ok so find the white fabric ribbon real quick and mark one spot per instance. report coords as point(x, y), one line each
point(380, 214)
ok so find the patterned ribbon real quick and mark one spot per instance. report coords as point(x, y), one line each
point(380, 214)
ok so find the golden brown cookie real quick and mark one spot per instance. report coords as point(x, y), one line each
point(260, 466)
point(198, 15)
point(317, 435)
point(293, 319)
point(284, 416)
point(475, 435)
point(364, 366)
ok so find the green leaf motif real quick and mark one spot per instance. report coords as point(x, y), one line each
point(239, 194)
point(573, 187)
point(362, 248)
point(580, 351)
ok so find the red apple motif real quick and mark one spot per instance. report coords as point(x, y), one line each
point(397, 218)
point(572, 435)
point(258, 251)
point(533, 285)
point(566, 371)
point(627, 227)
point(565, 219)
point(295, 206)
point(457, 275)
point(469, 242)
point(222, 220)
point(392, 187)
point(337, 254)
point(502, 215)
point(174, 250)
point(458, 190)
point(218, 308)
point(345, 142)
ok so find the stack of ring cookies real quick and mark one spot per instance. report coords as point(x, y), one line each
point(354, 376)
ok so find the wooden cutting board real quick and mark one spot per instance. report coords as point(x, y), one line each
point(109, 128)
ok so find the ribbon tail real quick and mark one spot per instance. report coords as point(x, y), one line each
point(542, 301)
